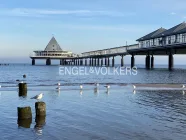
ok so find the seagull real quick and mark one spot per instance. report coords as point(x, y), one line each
point(107, 86)
point(24, 76)
point(81, 87)
point(58, 88)
point(134, 86)
point(96, 84)
point(58, 84)
point(37, 97)
point(183, 86)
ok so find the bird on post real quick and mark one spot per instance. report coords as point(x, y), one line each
point(107, 86)
point(81, 87)
point(96, 85)
point(24, 76)
point(38, 97)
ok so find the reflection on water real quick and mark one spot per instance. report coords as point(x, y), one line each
point(40, 122)
point(96, 90)
point(81, 92)
point(144, 115)
point(134, 91)
point(183, 92)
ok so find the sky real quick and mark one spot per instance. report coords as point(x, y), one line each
point(82, 25)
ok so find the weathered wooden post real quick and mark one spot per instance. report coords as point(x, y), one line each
point(40, 121)
point(40, 108)
point(24, 116)
point(23, 89)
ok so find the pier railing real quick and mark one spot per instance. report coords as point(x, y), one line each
point(110, 51)
point(52, 54)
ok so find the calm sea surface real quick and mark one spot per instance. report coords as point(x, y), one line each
point(89, 114)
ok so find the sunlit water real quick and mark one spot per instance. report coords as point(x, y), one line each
point(116, 114)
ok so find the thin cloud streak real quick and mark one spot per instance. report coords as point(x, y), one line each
point(45, 12)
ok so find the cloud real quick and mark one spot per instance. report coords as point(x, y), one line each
point(46, 12)
point(173, 13)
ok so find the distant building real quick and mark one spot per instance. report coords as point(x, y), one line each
point(52, 51)
point(164, 37)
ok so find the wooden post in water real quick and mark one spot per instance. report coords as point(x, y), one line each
point(40, 108)
point(24, 116)
point(23, 89)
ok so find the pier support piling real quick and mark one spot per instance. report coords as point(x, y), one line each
point(152, 62)
point(94, 61)
point(101, 61)
point(132, 61)
point(148, 62)
point(113, 62)
point(85, 62)
point(33, 61)
point(171, 61)
point(48, 62)
point(98, 62)
point(105, 61)
point(122, 61)
point(108, 62)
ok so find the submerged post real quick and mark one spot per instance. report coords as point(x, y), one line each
point(24, 116)
point(23, 89)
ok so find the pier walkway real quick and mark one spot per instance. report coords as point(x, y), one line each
point(159, 42)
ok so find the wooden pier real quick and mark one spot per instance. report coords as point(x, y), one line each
point(160, 42)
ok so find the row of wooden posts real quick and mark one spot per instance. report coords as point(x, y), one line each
point(25, 113)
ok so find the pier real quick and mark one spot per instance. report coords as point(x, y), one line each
point(161, 42)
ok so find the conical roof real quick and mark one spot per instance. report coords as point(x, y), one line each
point(53, 45)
